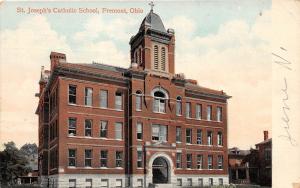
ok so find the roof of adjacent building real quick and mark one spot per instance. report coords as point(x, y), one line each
point(264, 142)
point(153, 21)
point(237, 151)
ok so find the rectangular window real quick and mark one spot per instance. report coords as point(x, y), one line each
point(190, 182)
point(219, 113)
point(159, 132)
point(119, 183)
point(119, 159)
point(104, 183)
point(72, 127)
point(139, 159)
point(178, 107)
point(118, 101)
point(178, 160)
point(211, 181)
point(103, 98)
point(199, 161)
point(189, 160)
point(208, 111)
point(72, 183)
point(179, 182)
point(210, 162)
point(198, 111)
point(119, 131)
point(220, 162)
point(209, 138)
point(103, 129)
point(188, 113)
point(220, 139)
point(88, 127)
point(178, 134)
point(200, 182)
point(139, 131)
point(140, 183)
point(72, 157)
point(199, 136)
point(188, 135)
point(220, 181)
point(72, 94)
point(138, 102)
point(103, 158)
point(88, 183)
point(88, 158)
point(88, 96)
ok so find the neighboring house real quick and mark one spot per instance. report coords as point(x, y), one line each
point(101, 125)
point(264, 152)
point(31, 177)
point(238, 170)
point(259, 162)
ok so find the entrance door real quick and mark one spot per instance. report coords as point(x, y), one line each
point(160, 171)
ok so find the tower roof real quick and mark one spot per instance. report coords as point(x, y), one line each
point(154, 22)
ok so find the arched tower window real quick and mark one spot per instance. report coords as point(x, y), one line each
point(140, 56)
point(135, 57)
point(156, 57)
point(163, 59)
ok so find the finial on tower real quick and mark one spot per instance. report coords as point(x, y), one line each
point(152, 5)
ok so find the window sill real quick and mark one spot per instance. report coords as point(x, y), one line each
point(71, 167)
point(119, 168)
point(140, 168)
point(140, 140)
point(138, 110)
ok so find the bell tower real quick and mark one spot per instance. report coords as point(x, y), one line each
point(153, 47)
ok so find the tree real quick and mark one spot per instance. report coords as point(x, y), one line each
point(12, 164)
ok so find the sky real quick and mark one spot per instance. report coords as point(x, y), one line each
point(224, 45)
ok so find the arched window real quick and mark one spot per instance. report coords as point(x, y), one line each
point(138, 101)
point(135, 57)
point(155, 57)
point(159, 103)
point(178, 106)
point(140, 56)
point(163, 59)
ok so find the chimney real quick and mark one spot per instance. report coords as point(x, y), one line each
point(266, 135)
point(56, 58)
